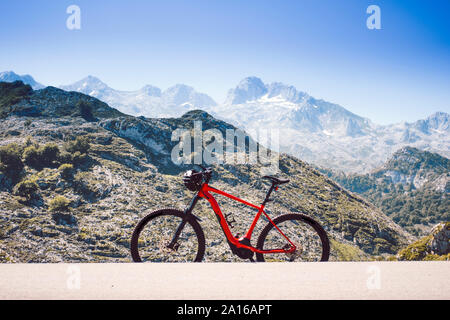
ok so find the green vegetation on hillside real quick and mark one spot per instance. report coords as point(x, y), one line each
point(401, 200)
point(59, 204)
point(18, 99)
point(14, 158)
point(409, 160)
point(10, 94)
point(27, 189)
point(11, 160)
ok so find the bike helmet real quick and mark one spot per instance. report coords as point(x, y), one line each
point(192, 180)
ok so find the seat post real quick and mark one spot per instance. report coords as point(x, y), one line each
point(267, 199)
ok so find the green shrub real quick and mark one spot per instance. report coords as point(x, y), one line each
point(85, 111)
point(59, 204)
point(49, 153)
point(80, 144)
point(78, 158)
point(26, 188)
point(31, 156)
point(30, 142)
point(391, 258)
point(66, 171)
point(65, 157)
point(11, 159)
point(82, 184)
point(40, 157)
point(75, 158)
point(415, 251)
point(346, 252)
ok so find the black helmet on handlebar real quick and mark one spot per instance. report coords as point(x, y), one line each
point(193, 180)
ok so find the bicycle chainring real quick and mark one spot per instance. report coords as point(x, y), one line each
point(242, 253)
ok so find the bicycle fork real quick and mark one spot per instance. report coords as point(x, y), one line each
point(187, 212)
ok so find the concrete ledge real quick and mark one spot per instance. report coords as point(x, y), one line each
point(331, 280)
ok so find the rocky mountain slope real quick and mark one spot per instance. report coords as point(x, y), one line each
point(73, 187)
point(20, 100)
point(412, 187)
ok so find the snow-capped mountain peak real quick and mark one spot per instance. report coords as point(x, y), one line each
point(178, 93)
point(87, 85)
point(253, 104)
point(181, 94)
point(151, 91)
point(289, 93)
point(439, 121)
point(10, 76)
point(253, 88)
point(250, 88)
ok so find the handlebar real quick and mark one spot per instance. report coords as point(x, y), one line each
point(206, 173)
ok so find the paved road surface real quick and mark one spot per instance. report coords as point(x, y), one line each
point(332, 280)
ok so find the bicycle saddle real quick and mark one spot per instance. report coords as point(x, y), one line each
point(275, 180)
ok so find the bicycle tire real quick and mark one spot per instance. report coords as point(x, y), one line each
point(190, 219)
point(325, 243)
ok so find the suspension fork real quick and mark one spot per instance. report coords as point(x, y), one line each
point(187, 212)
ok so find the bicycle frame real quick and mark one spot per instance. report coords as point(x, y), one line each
point(205, 192)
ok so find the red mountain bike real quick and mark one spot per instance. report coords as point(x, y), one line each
point(170, 235)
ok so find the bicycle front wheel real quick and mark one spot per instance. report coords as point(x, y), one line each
point(306, 234)
point(150, 239)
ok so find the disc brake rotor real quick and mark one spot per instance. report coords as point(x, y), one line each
point(164, 246)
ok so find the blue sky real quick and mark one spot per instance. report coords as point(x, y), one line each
point(401, 72)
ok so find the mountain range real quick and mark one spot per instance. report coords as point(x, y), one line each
point(322, 133)
point(148, 101)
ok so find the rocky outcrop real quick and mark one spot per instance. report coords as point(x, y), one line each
point(435, 246)
point(440, 243)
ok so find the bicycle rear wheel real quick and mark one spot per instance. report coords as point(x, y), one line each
point(155, 231)
point(307, 235)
